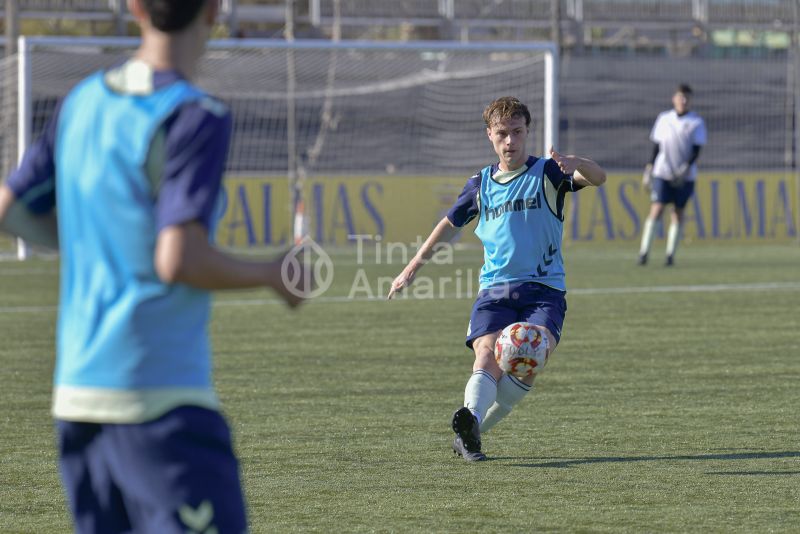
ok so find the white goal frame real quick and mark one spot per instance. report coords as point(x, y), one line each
point(548, 49)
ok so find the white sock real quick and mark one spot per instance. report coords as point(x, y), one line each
point(480, 393)
point(647, 236)
point(510, 391)
point(673, 236)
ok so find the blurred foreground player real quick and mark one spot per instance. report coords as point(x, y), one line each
point(126, 182)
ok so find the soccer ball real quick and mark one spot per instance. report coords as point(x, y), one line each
point(521, 350)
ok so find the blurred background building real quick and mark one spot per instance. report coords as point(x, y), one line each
point(620, 59)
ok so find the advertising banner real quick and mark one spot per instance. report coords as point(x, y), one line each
point(741, 207)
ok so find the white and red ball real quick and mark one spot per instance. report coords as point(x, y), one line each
point(521, 350)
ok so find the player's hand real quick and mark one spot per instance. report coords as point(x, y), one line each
point(647, 176)
point(567, 164)
point(402, 281)
point(681, 173)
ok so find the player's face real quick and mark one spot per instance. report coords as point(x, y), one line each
point(681, 102)
point(508, 138)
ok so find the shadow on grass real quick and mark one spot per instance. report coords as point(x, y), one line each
point(562, 463)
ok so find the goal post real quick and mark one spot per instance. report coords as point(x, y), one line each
point(23, 117)
point(330, 107)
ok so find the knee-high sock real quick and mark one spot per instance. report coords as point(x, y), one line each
point(510, 391)
point(647, 236)
point(480, 393)
point(673, 236)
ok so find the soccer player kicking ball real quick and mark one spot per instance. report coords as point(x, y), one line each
point(126, 182)
point(519, 205)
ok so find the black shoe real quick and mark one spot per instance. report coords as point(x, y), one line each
point(670, 262)
point(642, 259)
point(467, 443)
point(470, 456)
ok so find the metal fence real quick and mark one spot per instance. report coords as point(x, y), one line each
point(609, 99)
point(231, 11)
point(92, 10)
point(763, 14)
point(607, 106)
point(647, 12)
point(609, 103)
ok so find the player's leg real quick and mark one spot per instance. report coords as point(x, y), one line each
point(657, 197)
point(481, 389)
point(546, 308)
point(682, 196)
point(673, 235)
point(490, 314)
point(511, 390)
point(94, 499)
point(494, 309)
point(178, 473)
point(479, 394)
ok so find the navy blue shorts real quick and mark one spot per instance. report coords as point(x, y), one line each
point(174, 474)
point(664, 192)
point(529, 302)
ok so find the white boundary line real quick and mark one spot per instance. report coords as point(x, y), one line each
point(702, 288)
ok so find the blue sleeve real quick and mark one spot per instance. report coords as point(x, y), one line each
point(561, 181)
point(196, 148)
point(466, 206)
point(34, 182)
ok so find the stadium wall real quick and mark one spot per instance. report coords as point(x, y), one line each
point(727, 207)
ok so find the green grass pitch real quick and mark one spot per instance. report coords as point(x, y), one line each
point(671, 404)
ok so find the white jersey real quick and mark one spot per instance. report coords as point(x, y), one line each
point(676, 135)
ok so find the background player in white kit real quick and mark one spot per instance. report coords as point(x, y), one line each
point(678, 135)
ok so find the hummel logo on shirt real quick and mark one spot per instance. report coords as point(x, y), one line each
point(519, 204)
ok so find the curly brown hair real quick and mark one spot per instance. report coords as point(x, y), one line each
point(503, 108)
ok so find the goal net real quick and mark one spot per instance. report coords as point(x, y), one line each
point(8, 137)
point(329, 108)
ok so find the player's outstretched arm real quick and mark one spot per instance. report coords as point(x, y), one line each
point(184, 255)
point(585, 171)
point(16, 219)
point(443, 232)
